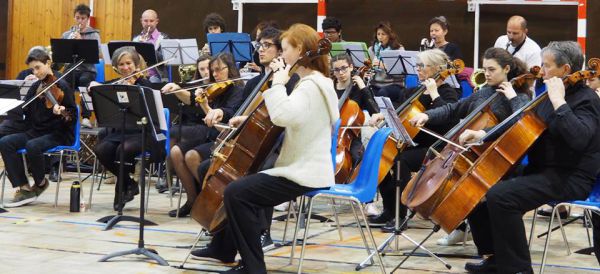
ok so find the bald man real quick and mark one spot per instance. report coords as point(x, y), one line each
point(518, 43)
point(151, 34)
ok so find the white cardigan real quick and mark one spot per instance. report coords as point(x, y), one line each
point(307, 114)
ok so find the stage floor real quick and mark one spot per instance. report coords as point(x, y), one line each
point(39, 238)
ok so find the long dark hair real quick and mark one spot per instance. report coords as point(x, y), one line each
point(394, 42)
point(227, 59)
point(517, 67)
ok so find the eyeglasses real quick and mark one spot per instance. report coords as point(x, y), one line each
point(420, 65)
point(341, 69)
point(219, 69)
point(265, 45)
point(330, 32)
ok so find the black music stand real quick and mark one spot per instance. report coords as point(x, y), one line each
point(74, 50)
point(145, 49)
point(120, 106)
point(238, 44)
point(11, 92)
point(400, 133)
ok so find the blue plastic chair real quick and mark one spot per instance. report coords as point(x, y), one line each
point(59, 151)
point(467, 89)
point(359, 191)
point(411, 81)
point(100, 78)
point(592, 203)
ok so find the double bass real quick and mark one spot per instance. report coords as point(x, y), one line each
point(241, 152)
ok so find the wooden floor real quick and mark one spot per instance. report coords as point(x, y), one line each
point(39, 238)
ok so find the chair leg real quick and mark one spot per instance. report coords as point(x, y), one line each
point(93, 182)
point(564, 235)
point(587, 219)
point(361, 231)
point(337, 220)
point(59, 179)
point(192, 248)
point(3, 185)
point(532, 230)
point(295, 237)
point(287, 221)
point(549, 233)
point(310, 206)
point(169, 181)
point(151, 169)
point(179, 199)
point(362, 213)
point(79, 175)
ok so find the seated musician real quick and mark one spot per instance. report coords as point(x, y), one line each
point(213, 23)
point(499, 67)
point(186, 156)
point(342, 67)
point(48, 127)
point(438, 93)
point(126, 61)
point(563, 165)
point(304, 164)
point(594, 84)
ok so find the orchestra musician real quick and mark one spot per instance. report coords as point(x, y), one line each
point(151, 34)
point(304, 164)
point(85, 73)
point(518, 43)
point(499, 66)
point(187, 156)
point(563, 165)
point(213, 23)
point(332, 29)
point(126, 61)
point(49, 125)
point(438, 29)
point(438, 93)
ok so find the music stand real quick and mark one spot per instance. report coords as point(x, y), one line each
point(357, 51)
point(400, 133)
point(145, 49)
point(123, 106)
point(180, 51)
point(74, 50)
point(399, 62)
point(238, 44)
point(11, 92)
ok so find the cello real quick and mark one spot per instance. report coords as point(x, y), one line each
point(405, 112)
point(241, 152)
point(499, 158)
point(351, 116)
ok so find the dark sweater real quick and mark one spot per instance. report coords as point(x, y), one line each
point(452, 50)
point(572, 138)
point(42, 120)
point(363, 97)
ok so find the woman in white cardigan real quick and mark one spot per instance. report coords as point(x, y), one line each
point(304, 163)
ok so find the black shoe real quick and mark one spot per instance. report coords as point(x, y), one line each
point(562, 214)
point(529, 271)
point(266, 241)
point(183, 211)
point(238, 269)
point(53, 177)
point(391, 225)
point(488, 265)
point(207, 252)
point(380, 219)
point(161, 186)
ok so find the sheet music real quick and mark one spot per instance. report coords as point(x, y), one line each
point(85, 97)
point(7, 104)
point(159, 109)
point(357, 50)
point(395, 65)
point(452, 81)
point(24, 85)
point(105, 54)
point(387, 109)
point(185, 51)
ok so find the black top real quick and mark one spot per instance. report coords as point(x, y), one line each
point(42, 120)
point(452, 50)
point(129, 131)
point(448, 95)
point(501, 107)
point(363, 97)
point(572, 138)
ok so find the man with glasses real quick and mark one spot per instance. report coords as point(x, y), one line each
point(332, 28)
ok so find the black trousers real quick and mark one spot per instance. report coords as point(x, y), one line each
point(36, 144)
point(497, 224)
point(596, 230)
point(244, 200)
point(411, 160)
point(82, 79)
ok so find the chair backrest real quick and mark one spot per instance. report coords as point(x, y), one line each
point(167, 132)
point(365, 184)
point(100, 71)
point(595, 194)
point(411, 81)
point(334, 137)
point(467, 89)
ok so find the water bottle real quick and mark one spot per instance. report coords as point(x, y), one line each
point(75, 194)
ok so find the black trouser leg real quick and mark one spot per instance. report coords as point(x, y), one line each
point(35, 154)
point(596, 230)
point(13, 162)
point(244, 199)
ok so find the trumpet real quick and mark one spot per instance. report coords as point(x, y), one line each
point(478, 79)
point(145, 34)
point(75, 29)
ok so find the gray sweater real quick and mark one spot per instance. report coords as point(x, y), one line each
point(501, 107)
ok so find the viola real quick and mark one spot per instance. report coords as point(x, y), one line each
point(213, 91)
point(52, 95)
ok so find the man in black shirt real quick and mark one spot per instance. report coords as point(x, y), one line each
point(563, 164)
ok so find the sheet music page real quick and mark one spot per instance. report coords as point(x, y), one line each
point(85, 97)
point(7, 104)
point(159, 109)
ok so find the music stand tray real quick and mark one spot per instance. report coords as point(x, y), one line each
point(144, 49)
point(399, 62)
point(238, 44)
point(357, 51)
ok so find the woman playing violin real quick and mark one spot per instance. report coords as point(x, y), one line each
point(126, 62)
point(499, 66)
point(187, 156)
point(50, 125)
point(438, 93)
point(563, 165)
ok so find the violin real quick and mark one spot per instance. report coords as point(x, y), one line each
point(213, 91)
